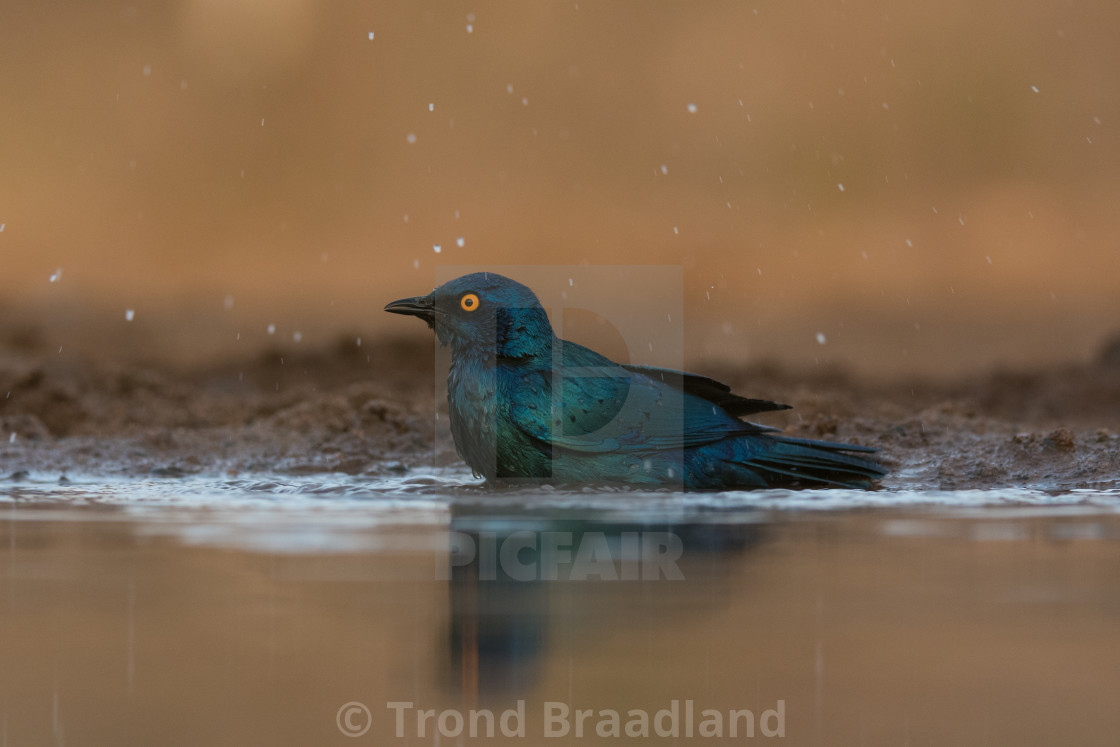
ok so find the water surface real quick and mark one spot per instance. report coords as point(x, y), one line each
point(251, 610)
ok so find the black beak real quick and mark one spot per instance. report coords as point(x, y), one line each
point(421, 306)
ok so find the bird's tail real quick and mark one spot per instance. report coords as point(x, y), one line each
point(804, 461)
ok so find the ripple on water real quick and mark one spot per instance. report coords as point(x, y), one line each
point(455, 486)
point(343, 513)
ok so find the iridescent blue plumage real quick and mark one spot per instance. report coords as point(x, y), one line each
point(525, 404)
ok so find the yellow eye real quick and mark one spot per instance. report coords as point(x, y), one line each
point(469, 301)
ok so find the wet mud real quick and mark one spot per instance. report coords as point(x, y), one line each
point(369, 410)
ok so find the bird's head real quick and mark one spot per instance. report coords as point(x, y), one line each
point(484, 312)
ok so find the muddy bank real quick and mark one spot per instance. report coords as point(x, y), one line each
point(368, 409)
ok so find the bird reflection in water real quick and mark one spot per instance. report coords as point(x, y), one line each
point(515, 575)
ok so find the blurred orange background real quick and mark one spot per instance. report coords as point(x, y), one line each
point(933, 186)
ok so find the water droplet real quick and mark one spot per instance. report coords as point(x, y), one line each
point(664, 169)
point(692, 108)
point(437, 248)
point(460, 242)
point(1034, 88)
point(297, 336)
point(841, 186)
point(431, 107)
point(676, 230)
point(272, 329)
point(228, 302)
point(821, 338)
point(147, 70)
point(129, 314)
point(56, 275)
point(411, 138)
point(371, 36)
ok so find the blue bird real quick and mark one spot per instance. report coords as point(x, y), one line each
point(526, 405)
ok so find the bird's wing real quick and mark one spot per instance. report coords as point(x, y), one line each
point(714, 391)
point(607, 407)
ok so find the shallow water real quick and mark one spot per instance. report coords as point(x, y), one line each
point(211, 610)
